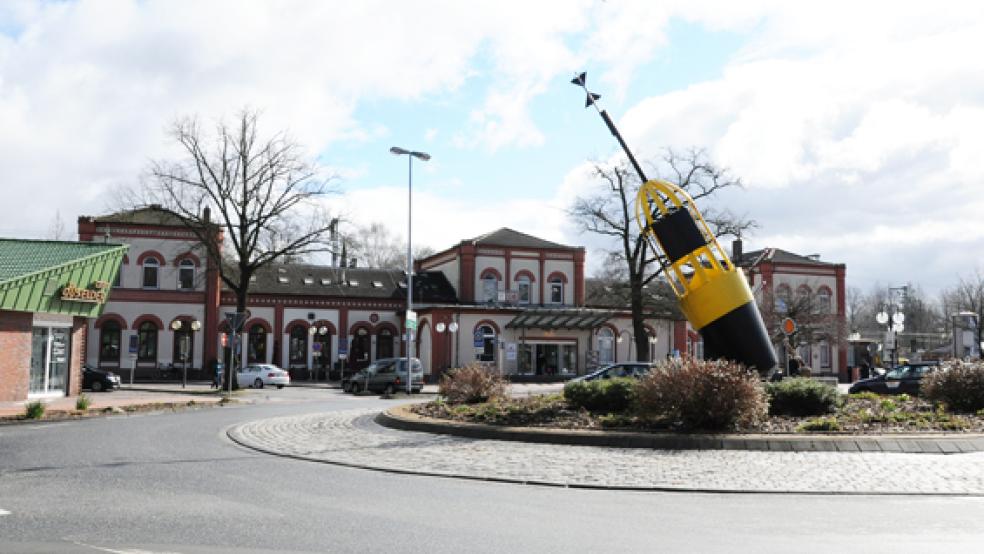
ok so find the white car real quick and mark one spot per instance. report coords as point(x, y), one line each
point(260, 375)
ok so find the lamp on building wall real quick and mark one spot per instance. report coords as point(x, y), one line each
point(184, 343)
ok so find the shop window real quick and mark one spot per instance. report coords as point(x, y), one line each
point(556, 291)
point(606, 346)
point(298, 345)
point(186, 275)
point(488, 344)
point(490, 287)
point(109, 342)
point(147, 342)
point(523, 288)
point(256, 345)
point(151, 274)
point(384, 344)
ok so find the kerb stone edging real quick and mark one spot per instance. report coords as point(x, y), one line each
point(400, 417)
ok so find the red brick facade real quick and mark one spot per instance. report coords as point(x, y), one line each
point(15, 354)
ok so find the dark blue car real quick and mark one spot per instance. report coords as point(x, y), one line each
point(903, 379)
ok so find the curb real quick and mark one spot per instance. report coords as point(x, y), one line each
point(400, 417)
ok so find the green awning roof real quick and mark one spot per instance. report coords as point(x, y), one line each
point(570, 318)
point(57, 277)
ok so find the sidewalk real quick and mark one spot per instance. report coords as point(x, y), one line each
point(140, 395)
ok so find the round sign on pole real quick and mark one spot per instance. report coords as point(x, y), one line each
point(788, 326)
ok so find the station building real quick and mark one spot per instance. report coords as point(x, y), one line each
point(506, 299)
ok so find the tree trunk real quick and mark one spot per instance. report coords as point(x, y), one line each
point(638, 327)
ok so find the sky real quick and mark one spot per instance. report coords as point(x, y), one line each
point(856, 127)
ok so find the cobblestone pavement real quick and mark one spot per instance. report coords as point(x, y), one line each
point(352, 438)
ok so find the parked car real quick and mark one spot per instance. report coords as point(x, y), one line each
point(621, 369)
point(387, 376)
point(261, 375)
point(902, 379)
point(97, 380)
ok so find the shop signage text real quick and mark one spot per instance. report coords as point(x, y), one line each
point(95, 295)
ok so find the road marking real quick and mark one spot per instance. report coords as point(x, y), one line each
point(4, 512)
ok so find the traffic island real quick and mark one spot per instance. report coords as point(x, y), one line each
point(403, 418)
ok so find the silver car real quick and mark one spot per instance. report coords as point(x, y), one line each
point(261, 375)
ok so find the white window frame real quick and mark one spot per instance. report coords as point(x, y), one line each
point(556, 285)
point(490, 288)
point(606, 343)
point(148, 263)
point(524, 283)
point(183, 266)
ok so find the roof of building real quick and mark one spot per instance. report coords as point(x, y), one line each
point(319, 280)
point(152, 214)
point(778, 255)
point(508, 237)
point(658, 297)
point(20, 257)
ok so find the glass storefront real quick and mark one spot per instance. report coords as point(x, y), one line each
point(547, 358)
point(50, 353)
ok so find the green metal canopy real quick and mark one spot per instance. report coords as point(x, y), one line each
point(71, 278)
point(550, 318)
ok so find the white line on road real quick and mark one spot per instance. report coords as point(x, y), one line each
point(4, 512)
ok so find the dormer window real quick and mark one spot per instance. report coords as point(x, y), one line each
point(325, 282)
point(283, 280)
point(353, 283)
point(308, 280)
point(377, 284)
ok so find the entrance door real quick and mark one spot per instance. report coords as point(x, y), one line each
point(50, 352)
point(360, 348)
point(546, 359)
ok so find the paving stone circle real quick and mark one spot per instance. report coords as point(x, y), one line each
point(352, 438)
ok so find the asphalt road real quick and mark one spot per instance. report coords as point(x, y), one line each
point(173, 482)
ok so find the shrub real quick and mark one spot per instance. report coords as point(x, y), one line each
point(471, 384)
point(801, 397)
point(34, 410)
point(958, 385)
point(603, 395)
point(82, 403)
point(702, 394)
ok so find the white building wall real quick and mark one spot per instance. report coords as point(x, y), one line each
point(452, 272)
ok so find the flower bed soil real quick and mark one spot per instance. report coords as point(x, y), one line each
point(858, 415)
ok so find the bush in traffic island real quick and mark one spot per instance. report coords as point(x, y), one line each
point(710, 395)
point(610, 396)
point(957, 385)
point(801, 396)
point(471, 384)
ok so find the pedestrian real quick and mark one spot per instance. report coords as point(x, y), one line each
point(217, 377)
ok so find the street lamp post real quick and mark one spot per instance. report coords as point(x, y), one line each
point(179, 326)
point(411, 319)
point(895, 320)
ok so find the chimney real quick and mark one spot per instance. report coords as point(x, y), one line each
point(736, 251)
point(206, 214)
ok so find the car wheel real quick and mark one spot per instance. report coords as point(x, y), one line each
point(96, 386)
point(258, 383)
point(280, 386)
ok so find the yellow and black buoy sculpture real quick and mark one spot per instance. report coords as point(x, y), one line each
point(713, 293)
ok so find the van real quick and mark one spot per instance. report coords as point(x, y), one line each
point(386, 375)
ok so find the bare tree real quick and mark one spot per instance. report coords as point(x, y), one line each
point(57, 229)
point(609, 212)
point(376, 246)
point(967, 296)
point(249, 200)
point(816, 320)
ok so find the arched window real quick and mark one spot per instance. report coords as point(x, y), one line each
point(147, 342)
point(151, 273)
point(488, 344)
point(606, 346)
point(384, 344)
point(783, 297)
point(490, 287)
point(109, 342)
point(256, 345)
point(823, 300)
point(298, 345)
point(803, 294)
point(523, 287)
point(186, 275)
point(556, 291)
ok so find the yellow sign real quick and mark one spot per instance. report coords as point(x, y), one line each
point(72, 293)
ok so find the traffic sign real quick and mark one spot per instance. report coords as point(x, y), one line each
point(133, 344)
point(342, 347)
point(788, 326)
point(479, 338)
point(411, 319)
